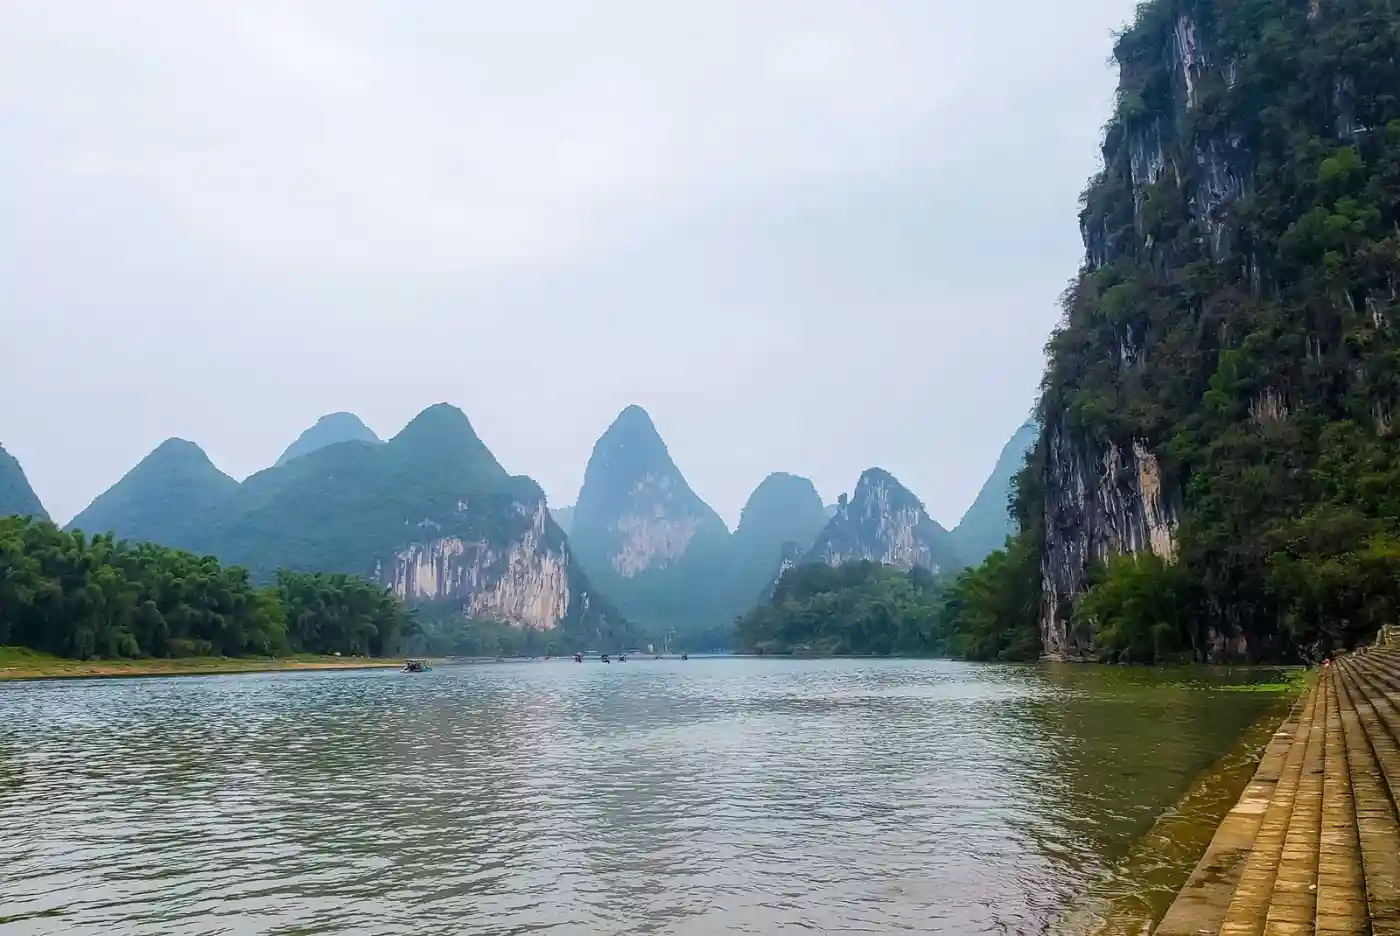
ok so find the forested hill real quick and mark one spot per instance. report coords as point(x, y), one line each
point(782, 516)
point(987, 523)
point(77, 596)
point(648, 540)
point(169, 491)
point(431, 514)
point(328, 430)
point(1219, 399)
point(16, 496)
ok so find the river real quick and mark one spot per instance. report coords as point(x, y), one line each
point(679, 797)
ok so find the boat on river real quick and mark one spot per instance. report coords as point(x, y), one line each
point(416, 666)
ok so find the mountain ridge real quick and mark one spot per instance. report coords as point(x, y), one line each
point(17, 496)
point(329, 429)
point(159, 496)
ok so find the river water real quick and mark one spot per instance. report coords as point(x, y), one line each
point(698, 797)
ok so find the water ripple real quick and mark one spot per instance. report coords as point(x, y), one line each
point(735, 796)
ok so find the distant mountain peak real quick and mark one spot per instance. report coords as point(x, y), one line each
point(883, 521)
point(987, 522)
point(175, 448)
point(438, 419)
point(779, 523)
point(16, 495)
point(637, 517)
point(159, 498)
point(782, 500)
point(328, 430)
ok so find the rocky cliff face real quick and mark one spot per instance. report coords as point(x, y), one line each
point(430, 513)
point(883, 522)
point(1226, 355)
point(328, 430)
point(523, 579)
point(1100, 503)
point(16, 496)
point(1103, 498)
point(646, 538)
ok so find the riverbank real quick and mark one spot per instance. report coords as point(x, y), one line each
point(17, 663)
point(1139, 890)
point(1313, 845)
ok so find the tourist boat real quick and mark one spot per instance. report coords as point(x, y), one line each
point(416, 666)
point(578, 657)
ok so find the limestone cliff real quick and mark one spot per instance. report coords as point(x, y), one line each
point(645, 537)
point(1220, 390)
point(524, 578)
point(883, 522)
point(431, 513)
point(16, 496)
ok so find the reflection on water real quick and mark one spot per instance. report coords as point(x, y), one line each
point(699, 797)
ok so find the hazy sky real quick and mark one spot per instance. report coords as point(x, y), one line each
point(806, 235)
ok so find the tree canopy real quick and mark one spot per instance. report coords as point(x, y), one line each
point(70, 595)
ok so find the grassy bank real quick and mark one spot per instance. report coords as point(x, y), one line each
point(20, 663)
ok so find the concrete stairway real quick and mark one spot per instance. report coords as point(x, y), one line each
point(1313, 846)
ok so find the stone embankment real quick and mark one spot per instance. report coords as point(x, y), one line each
point(1313, 845)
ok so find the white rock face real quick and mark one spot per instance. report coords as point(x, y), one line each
point(652, 539)
point(525, 584)
point(882, 523)
point(1096, 507)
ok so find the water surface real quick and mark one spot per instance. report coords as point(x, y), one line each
point(697, 797)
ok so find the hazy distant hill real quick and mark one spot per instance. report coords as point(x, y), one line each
point(885, 523)
point(782, 511)
point(16, 496)
point(431, 514)
point(564, 516)
point(161, 498)
point(987, 523)
point(646, 539)
point(328, 430)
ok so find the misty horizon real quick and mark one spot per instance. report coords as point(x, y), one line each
point(553, 501)
point(806, 237)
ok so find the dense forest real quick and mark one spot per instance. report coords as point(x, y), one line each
point(852, 608)
point(1236, 318)
point(865, 608)
point(70, 595)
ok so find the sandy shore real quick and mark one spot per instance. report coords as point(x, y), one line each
point(17, 666)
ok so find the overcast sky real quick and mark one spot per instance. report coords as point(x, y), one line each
point(806, 235)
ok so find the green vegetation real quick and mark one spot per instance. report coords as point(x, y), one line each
point(648, 541)
point(22, 663)
point(64, 594)
point(16, 496)
point(989, 611)
point(987, 523)
point(854, 608)
point(159, 499)
point(782, 510)
point(328, 430)
point(1237, 316)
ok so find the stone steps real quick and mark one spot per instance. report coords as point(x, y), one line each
point(1313, 846)
point(1370, 744)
